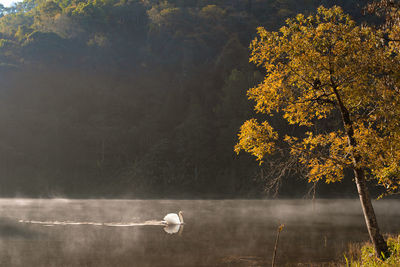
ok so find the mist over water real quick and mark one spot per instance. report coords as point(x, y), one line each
point(64, 232)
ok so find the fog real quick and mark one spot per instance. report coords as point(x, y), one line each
point(216, 232)
point(136, 99)
point(106, 103)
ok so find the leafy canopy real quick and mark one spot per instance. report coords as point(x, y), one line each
point(317, 69)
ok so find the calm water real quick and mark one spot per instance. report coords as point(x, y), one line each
point(217, 233)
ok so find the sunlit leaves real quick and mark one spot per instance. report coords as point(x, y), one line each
point(257, 139)
point(319, 67)
point(325, 155)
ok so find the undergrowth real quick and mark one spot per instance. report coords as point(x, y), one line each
point(359, 255)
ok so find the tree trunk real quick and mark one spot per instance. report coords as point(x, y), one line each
point(365, 199)
point(369, 214)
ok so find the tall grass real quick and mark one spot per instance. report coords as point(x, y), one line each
point(364, 255)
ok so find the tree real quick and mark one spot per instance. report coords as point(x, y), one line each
point(321, 69)
point(388, 9)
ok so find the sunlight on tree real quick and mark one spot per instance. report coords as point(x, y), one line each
point(323, 68)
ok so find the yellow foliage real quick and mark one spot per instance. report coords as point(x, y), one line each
point(325, 65)
point(258, 139)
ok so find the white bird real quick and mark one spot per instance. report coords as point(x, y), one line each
point(173, 218)
point(172, 228)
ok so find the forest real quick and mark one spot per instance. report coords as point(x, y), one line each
point(138, 98)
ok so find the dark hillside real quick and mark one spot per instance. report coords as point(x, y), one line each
point(134, 98)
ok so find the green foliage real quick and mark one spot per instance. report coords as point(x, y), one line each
point(5, 43)
point(212, 13)
point(10, 23)
point(367, 256)
point(130, 96)
point(49, 8)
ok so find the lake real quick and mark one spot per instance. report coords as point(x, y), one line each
point(62, 232)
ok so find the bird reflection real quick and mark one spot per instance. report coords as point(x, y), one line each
point(174, 229)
